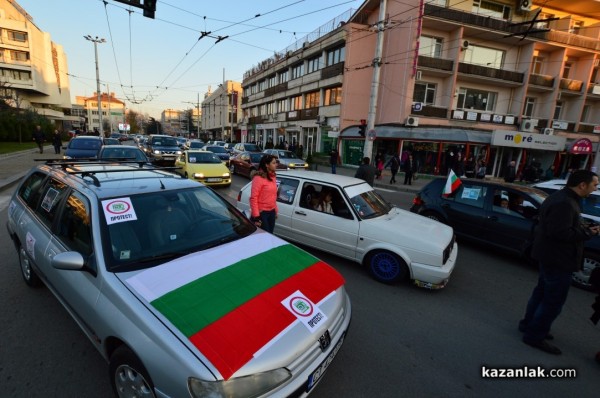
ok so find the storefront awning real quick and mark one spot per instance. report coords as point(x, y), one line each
point(424, 133)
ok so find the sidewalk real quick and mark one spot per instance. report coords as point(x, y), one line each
point(13, 166)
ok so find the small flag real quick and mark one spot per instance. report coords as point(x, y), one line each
point(452, 183)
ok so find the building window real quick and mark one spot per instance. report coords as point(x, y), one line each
point(270, 108)
point(314, 64)
point(19, 55)
point(16, 74)
point(585, 114)
point(543, 24)
point(558, 110)
point(336, 56)
point(430, 46)
point(297, 71)
point(425, 93)
point(261, 85)
point(529, 106)
point(536, 65)
point(333, 96)
point(469, 98)
point(575, 27)
point(296, 103)
point(594, 75)
point(491, 9)
point(283, 76)
point(283, 105)
point(567, 70)
point(311, 100)
point(272, 81)
point(484, 56)
point(17, 36)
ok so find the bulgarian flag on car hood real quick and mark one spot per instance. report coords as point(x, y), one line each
point(228, 300)
point(452, 183)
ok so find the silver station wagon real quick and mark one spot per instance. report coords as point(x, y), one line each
point(177, 290)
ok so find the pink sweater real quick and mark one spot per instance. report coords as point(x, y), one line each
point(263, 196)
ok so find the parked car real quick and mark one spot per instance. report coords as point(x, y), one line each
point(204, 167)
point(123, 153)
point(392, 243)
point(476, 213)
point(245, 147)
point(162, 149)
point(83, 147)
point(247, 162)
point(220, 151)
point(195, 144)
point(591, 204)
point(288, 158)
point(110, 141)
point(178, 291)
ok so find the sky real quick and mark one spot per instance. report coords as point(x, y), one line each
point(161, 63)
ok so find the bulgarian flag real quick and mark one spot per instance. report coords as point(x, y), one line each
point(452, 183)
point(228, 300)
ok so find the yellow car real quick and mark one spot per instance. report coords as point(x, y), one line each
point(205, 167)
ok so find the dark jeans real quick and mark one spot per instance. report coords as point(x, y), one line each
point(56, 149)
point(545, 303)
point(408, 175)
point(40, 146)
point(333, 171)
point(394, 172)
point(267, 219)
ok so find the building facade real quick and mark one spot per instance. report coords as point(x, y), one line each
point(221, 112)
point(456, 81)
point(113, 112)
point(33, 68)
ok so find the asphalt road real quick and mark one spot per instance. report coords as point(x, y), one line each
point(403, 341)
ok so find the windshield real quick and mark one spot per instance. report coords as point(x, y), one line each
point(251, 147)
point(123, 153)
point(217, 149)
point(370, 204)
point(256, 157)
point(286, 155)
point(197, 145)
point(85, 144)
point(152, 228)
point(165, 141)
point(203, 157)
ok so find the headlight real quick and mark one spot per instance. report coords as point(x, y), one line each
point(248, 386)
point(225, 175)
point(292, 165)
point(178, 152)
point(156, 152)
point(66, 157)
point(198, 175)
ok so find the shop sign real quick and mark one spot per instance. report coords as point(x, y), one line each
point(528, 140)
point(582, 146)
point(597, 129)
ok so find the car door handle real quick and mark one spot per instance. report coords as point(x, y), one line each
point(493, 218)
point(301, 213)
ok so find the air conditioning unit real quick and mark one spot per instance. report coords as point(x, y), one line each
point(418, 75)
point(527, 125)
point(412, 121)
point(525, 5)
point(548, 131)
point(465, 44)
point(305, 44)
point(321, 119)
point(289, 53)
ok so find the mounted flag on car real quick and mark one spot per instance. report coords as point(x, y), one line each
point(452, 183)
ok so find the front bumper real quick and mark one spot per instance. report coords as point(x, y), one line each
point(432, 277)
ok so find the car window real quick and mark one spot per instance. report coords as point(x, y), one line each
point(591, 205)
point(469, 194)
point(369, 204)
point(51, 196)
point(255, 157)
point(502, 203)
point(74, 229)
point(286, 189)
point(325, 199)
point(30, 190)
point(205, 158)
point(85, 144)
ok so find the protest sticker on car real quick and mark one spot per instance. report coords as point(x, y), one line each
point(118, 210)
point(307, 312)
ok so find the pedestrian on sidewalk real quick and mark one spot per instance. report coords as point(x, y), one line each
point(38, 137)
point(333, 160)
point(263, 195)
point(394, 165)
point(558, 245)
point(366, 171)
point(410, 167)
point(56, 142)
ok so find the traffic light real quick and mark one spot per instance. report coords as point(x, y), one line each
point(362, 128)
point(149, 8)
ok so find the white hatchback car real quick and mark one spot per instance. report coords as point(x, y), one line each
point(591, 204)
point(394, 244)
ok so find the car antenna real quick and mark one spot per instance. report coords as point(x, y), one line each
point(162, 186)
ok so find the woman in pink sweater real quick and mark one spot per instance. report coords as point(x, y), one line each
point(263, 196)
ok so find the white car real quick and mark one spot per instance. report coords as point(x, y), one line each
point(394, 244)
point(591, 204)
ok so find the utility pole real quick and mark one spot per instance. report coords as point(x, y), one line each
point(368, 148)
point(97, 40)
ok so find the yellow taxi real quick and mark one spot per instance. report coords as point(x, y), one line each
point(204, 167)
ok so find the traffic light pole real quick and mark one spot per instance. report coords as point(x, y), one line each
point(368, 148)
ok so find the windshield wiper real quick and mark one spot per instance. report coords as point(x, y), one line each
point(165, 256)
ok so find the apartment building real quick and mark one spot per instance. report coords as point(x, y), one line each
point(33, 68)
point(113, 111)
point(221, 112)
point(488, 80)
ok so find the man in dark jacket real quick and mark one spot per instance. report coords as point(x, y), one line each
point(511, 172)
point(558, 247)
point(366, 171)
point(38, 137)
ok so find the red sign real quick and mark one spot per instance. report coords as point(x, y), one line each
point(582, 146)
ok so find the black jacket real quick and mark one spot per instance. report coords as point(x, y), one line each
point(560, 235)
point(366, 172)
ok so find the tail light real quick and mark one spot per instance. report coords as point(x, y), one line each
point(239, 198)
point(417, 201)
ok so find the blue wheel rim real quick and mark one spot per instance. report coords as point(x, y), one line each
point(385, 266)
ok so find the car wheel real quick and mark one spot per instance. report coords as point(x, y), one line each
point(581, 278)
point(433, 216)
point(232, 169)
point(128, 375)
point(387, 267)
point(28, 273)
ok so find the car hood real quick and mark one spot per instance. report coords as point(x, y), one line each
point(166, 147)
point(246, 306)
point(410, 231)
point(209, 169)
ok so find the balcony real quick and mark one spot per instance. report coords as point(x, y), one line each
point(569, 39)
point(280, 88)
point(432, 111)
point(571, 85)
point(332, 71)
point(490, 73)
point(473, 115)
point(467, 18)
point(302, 114)
point(541, 80)
point(435, 63)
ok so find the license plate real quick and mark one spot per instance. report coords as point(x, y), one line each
point(314, 378)
point(213, 179)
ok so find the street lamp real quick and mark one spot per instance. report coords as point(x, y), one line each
point(97, 40)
